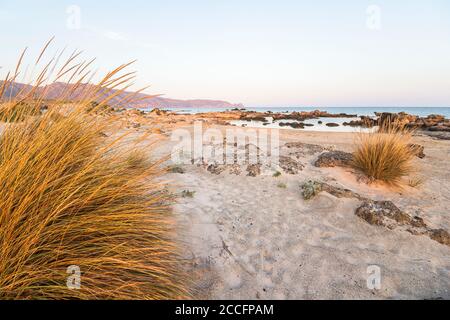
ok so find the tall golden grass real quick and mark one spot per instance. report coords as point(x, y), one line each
point(384, 155)
point(72, 196)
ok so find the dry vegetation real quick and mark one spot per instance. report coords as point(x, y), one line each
point(72, 196)
point(384, 155)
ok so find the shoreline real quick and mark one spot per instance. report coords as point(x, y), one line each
point(255, 237)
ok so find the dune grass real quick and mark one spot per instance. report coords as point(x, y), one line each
point(384, 155)
point(72, 196)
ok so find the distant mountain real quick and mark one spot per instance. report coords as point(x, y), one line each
point(54, 91)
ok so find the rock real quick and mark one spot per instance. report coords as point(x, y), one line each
point(440, 235)
point(254, 170)
point(341, 192)
point(319, 122)
point(215, 168)
point(176, 169)
point(439, 128)
point(365, 122)
point(306, 148)
point(386, 214)
point(295, 125)
point(332, 124)
point(382, 213)
point(235, 169)
point(417, 149)
point(290, 165)
point(333, 159)
point(158, 111)
point(310, 189)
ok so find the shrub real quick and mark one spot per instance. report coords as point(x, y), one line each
point(72, 196)
point(385, 155)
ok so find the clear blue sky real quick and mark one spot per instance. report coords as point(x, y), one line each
point(260, 53)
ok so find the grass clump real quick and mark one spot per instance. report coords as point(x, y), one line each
point(384, 155)
point(72, 196)
point(276, 174)
point(415, 182)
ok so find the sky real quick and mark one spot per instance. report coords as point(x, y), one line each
point(281, 53)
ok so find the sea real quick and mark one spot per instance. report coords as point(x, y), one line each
point(360, 111)
point(321, 123)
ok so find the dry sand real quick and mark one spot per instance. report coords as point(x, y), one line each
point(250, 238)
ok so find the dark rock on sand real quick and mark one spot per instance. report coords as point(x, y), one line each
point(312, 188)
point(253, 170)
point(215, 168)
point(440, 235)
point(290, 165)
point(382, 213)
point(333, 159)
point(295, 125)
point(386, 214)
point(332, 124)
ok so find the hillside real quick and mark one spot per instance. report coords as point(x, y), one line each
point(55, 90)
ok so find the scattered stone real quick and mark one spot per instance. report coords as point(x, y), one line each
point(295, 125)
point(187, 194)
point(254, 170)
point(382, 213)
point(235, 169)
point(440, 235)
point(176, 169)
point(333, 159)
point(341, 192)
point(309, 148)
point(386, 214)
point(215, 168)
point(290, 165)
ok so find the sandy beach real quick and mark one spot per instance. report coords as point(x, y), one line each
point(255, 237)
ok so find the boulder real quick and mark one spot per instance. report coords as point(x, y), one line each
point(334, 159)
point(290, 165)
point(253, 170)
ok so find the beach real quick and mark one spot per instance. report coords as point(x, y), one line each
point(253, 236)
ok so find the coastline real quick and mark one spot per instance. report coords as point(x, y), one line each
point(253, 236)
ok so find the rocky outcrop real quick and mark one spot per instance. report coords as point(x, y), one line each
point(433, 122)
point(364, 122)
point(253, 170)
point(334, 159)
point(387, 214)
point(332, 124)
point(290, 165)
point(295, 125)
point(379, 213)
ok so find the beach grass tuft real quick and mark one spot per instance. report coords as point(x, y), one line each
point(384, 155)
point(73, 198)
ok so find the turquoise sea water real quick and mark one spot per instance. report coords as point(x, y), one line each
point(366, 111)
